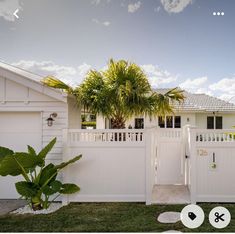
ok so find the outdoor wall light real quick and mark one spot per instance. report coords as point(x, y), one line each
point(50, 119)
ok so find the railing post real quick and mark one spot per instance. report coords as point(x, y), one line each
point(193, 164)
point(65, 145)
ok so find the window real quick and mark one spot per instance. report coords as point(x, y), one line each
point(139, 123)
point(219, 122)
point(210, 122)
point(177, 122)
point(169, 122)
point(161, 122)
point(214, 122)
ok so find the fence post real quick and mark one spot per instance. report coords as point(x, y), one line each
point(193, 164)
point(65, 199)
point(148, 166)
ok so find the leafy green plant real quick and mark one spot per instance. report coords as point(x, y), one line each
point(40, 180)
point(89, 124)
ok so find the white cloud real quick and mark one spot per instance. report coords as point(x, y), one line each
point(175, 6)
point(224, 85)
point(197, 85)
point(104, 23)
point(158, 77)
point(133, 7)
point(97, 2)
point(157, 9)
point(83, 69)
point(8, 7)
point(68, 74)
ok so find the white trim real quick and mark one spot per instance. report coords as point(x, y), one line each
point(32, 84)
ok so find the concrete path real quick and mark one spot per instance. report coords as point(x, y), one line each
point(170, 194)
point(7, 206)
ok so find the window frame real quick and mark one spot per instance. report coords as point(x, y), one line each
point(215, 120)
point(163, 122)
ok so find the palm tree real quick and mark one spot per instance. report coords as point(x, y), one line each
point(119, 93)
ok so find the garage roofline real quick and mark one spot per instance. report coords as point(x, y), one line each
point(30, 80)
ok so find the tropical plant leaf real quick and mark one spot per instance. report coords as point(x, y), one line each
point(26, 189)
point(53, 188)
point(43, 153)
point(10, 164)
point(31, 151)
point(64, 164)
point(5, 152)
point(69, 188)
point(48, 175)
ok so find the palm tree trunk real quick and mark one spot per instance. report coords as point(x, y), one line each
point(118, 123)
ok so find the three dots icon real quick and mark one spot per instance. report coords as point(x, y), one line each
point(218, 13)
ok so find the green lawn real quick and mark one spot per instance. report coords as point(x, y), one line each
point(106, 217)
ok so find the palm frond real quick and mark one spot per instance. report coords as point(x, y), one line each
point(53, 82)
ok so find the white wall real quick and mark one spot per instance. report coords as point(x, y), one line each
point(74, 113)
point(153, 122)
point(100, 122)
point(228, 120)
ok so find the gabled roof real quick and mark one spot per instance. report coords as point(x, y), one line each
point(30, 80)
point(201, 103)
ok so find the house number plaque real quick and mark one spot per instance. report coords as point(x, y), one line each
point(202, 152)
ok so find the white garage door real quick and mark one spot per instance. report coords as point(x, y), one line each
point(17, 130)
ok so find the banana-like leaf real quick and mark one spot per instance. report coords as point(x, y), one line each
point(5, 152)
point(64, 164)
point(53, 188)
point(31, 151)
point(10, 164)
point(26, 189)
point(43, 153)
point(48, 175)
point(69, 188)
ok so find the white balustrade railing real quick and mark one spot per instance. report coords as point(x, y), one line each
point(169, 133)
point(222, 135)
point(105, 135)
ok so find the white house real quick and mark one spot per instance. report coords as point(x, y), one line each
point(200, 110)
point(126, 164)
point(25, 106)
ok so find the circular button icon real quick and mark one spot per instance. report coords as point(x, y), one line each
point(219, 217)
point(192, 216)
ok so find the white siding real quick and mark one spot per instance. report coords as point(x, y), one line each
point(228, 120)
point(74, 113)
point(100, 123)
point(15, 97)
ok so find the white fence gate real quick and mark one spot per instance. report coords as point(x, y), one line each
point(170, 157)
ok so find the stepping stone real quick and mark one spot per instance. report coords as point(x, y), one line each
point(173, 231)
point(169, 217)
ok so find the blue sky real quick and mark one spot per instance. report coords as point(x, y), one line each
point(177, 42)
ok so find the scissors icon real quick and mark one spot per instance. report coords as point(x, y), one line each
point(218, 217)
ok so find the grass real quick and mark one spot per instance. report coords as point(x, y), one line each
point(107, 217)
